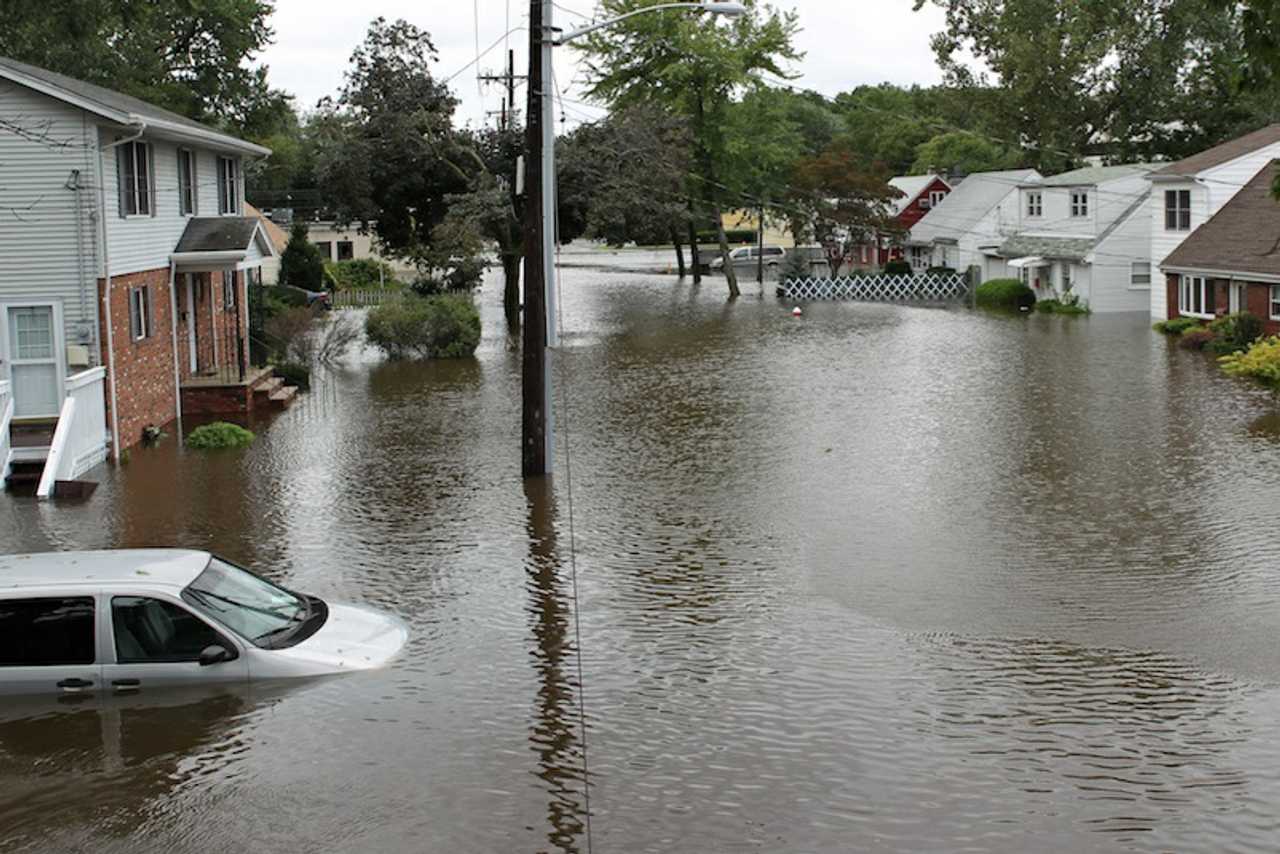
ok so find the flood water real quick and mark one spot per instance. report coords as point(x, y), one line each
point(877, 579)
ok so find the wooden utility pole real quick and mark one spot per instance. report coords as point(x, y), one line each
point(507, 115)
point(535, 433)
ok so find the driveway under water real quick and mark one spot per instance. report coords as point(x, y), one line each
point(877, 579)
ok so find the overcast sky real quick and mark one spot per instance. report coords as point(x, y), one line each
point(846, 42)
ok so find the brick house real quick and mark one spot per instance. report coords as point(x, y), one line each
point(125, 263)
point(1230, 263)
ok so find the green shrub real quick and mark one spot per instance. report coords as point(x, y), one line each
point(361, 275)
point(797, 265)
point(1069, 305)
point(1235, 332)
point(301, 264)
point(898, 268)
point(733, 235)
point(294, 374)
point(219, 435)
point(1260, 362)
point(445, 326)
point(465, 275)
point(1005, 293)
point(1176, 326)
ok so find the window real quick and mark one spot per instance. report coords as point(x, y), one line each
point(936, 197)
point(1079, 203)
point(149, 631)
point(252, 607)
point(46, 632)
point(140, 313)
point(326, 251)
point(774, 252)
point(1177, 210)
point(228, 186)
point(31, 332)
point(133, 163)
point(1140, 275)
point(1195, 296)
point(1275, 302)
point(186, 182)
point(346, 250)
point(1035, 204)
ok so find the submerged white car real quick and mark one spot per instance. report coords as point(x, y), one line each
point(126, 622)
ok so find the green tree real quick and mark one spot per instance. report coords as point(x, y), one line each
point(964, 152)
point(691, 66)
point(386, 149)
point(191, 57)
point(762, 146)
point(300, 264)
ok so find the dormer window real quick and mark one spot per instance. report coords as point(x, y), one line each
point(228, 186)
point(936, 197)
point(1079, 203)
point(1035, 205)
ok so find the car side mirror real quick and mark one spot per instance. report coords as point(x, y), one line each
point(215, 654)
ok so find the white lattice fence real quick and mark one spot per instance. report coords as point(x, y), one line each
point(928, 287)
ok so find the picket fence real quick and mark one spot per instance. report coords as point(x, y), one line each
point(363, 299)
point(926, 287)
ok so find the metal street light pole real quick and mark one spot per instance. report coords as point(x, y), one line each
point(541, 326)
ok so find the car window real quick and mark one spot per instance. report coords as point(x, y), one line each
point(151, 631)
point(773, 251)
point(250, 606)
point(53, 632)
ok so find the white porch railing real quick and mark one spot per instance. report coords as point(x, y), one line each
point(6, 418)
point(80, 440)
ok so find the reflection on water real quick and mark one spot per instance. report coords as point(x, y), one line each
point(554, 729)
point(876, 579)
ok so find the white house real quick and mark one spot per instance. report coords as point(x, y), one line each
point(1186, 194)
point(125, 257)
point(971, 222)
point(1086, 233)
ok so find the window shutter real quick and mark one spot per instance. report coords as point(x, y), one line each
point(121, 179)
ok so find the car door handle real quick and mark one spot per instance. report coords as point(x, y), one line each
point(127, 684)
point(72, 686)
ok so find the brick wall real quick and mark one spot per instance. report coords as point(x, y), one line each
point(1258, 298)
point(145, 390)
point(1171, 295)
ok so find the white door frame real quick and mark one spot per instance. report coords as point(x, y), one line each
point(191, 322)
point(1237, 297)
point(59, 345)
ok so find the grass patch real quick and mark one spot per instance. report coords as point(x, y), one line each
point(219, 435)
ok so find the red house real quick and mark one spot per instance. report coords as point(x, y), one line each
point(1230, 264)
point(919, 195)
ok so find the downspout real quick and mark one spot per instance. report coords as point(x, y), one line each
point(106, 278)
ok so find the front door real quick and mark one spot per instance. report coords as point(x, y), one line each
point(1237, 298)
point(29, 357)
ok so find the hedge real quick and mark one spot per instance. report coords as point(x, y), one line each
point(1005, 293)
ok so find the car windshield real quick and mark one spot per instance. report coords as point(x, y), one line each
point(255, 609)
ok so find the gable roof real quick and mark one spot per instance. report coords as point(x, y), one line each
point(120, 108)
point(1242, 238)
point(968, 203)
point(1091, 176)
point(278, 236)
point(911, 186)
point(1221, 154)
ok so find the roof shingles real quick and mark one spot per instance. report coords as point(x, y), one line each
point(1221, 154)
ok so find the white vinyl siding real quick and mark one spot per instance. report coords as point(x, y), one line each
point(41, 254)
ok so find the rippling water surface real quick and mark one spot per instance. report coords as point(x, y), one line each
point(880, 579)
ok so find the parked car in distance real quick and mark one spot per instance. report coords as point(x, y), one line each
point(125, 622)
point(748, 256)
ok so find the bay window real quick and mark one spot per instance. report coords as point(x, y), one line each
point(1195, 297)
point(1275, 302)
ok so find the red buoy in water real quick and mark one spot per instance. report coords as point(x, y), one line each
point(797, 312)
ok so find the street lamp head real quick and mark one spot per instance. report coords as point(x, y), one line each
point(732, 8)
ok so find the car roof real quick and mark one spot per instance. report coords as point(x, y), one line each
point(165, 568)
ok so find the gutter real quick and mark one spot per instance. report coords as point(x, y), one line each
point(211, 137)
point(1238, 276)
point(106, 289)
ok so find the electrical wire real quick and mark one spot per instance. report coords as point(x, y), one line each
point(473, 63)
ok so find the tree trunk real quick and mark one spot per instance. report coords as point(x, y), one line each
point(695, 255)
point(675, 241)
point(511, 290)
point(729, 273)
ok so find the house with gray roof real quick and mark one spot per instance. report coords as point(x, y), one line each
point(964, 228)
point(1231, 263)
point(125, 263)
point(1187, 194)
point(1084, 234)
